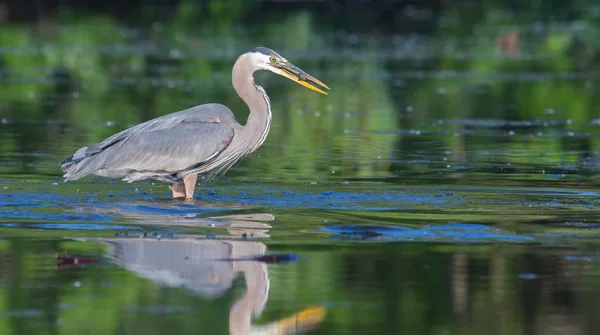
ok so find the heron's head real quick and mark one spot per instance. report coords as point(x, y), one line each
point(267, 59)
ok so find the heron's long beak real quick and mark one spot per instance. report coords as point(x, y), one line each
point(297, 75)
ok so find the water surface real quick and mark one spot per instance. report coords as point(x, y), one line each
point(449, 184)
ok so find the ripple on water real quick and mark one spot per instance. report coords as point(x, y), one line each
point(175, 209)
point(67, 226)
point(31, 215)
point(453, 232)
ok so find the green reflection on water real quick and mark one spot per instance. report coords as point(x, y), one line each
point(419, 288)
point(410, 119)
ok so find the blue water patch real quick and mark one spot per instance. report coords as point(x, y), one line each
point(38, 206)
point(453, 232)
point(342, 200)
point(40, 199)
point(68, 226)
point(32, 215)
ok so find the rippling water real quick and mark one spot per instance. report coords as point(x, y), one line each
point(443, 187)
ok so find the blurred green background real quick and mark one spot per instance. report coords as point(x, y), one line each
point(419, 78)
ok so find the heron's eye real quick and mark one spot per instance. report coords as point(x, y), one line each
point(272, 59)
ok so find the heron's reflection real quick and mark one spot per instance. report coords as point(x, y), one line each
point(208, 268)
point(173, 214)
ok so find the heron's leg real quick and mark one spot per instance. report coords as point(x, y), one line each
point(178, 190)
point(190, 184)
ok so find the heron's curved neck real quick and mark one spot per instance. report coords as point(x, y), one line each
point(254, 96)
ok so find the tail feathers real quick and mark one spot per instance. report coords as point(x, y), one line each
point(79, 166)
point(67, 164)
point(80, 169)
point(74, 165)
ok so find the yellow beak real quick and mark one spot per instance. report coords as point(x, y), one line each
point(295, 74)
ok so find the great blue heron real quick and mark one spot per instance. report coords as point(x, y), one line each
point(204, 139)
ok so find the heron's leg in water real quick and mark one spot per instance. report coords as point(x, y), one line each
point(190, 184)
point(178, 190)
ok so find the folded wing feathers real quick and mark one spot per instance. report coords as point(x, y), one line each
point(169, 143)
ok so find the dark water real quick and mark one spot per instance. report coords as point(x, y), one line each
point(449, 184)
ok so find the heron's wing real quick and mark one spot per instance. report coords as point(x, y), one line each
point(171, 149)
point(207, 113)
point(169, 143)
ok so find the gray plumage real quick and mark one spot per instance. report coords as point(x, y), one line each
point(159, 149)
point(265, 51)
point(205, 139)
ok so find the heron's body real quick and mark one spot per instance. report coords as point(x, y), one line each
point(161, 149)
point(205, 139)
